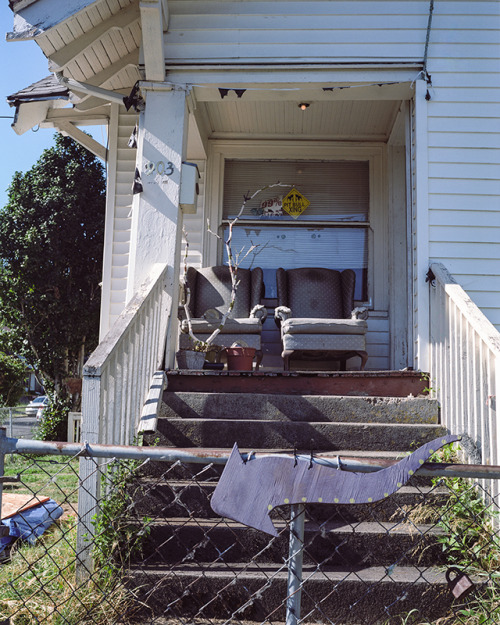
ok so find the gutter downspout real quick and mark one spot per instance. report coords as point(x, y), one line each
point(98, 92)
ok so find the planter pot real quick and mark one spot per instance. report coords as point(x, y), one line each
point(189, 359)
point(240, 358)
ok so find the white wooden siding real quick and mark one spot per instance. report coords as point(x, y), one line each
point(464, 148)
point(121, 218)
point(284, 30)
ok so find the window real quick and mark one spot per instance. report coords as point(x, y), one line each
point(332, 232)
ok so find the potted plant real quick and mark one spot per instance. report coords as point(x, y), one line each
point(191, 358)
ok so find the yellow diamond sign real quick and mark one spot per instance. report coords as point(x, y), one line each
point(294, 203)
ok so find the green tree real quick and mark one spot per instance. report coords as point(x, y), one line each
point(51, 241)
point(12, 374)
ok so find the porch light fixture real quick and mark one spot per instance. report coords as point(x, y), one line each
point(304, 105)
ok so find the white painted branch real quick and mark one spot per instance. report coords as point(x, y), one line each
point(233, 264)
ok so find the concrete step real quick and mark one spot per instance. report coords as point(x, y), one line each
point(158, 499)
point(310, 408)
point(367, 383)
point(252, 592)
point(317, 436)
point(331, 543)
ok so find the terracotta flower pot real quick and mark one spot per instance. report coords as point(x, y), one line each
point(240, 358)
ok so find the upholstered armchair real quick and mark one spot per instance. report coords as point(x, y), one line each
point(317, 317)
point(209, 292)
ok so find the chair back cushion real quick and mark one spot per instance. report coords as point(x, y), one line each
point(210, 287)
point(317, 292)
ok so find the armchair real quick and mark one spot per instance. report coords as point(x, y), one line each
point(316, 315)
point(209, 297)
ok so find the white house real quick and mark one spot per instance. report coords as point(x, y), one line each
point(384, 114)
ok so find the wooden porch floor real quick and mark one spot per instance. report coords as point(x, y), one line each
point(370, 383)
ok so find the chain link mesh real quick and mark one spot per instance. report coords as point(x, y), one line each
point(161, 556)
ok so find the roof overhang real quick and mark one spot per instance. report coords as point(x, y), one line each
point(45, 104)
point(34, 17)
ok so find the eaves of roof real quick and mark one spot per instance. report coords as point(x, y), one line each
point(17, 5)
point(48, 88)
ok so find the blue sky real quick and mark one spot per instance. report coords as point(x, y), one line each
point(22, 64)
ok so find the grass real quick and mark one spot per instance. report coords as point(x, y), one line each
point(43, 476)
point(39, 584)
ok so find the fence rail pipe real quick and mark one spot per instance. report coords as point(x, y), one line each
point(221, 456)
point(3, 446)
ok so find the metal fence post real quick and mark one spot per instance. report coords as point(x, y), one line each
point(3, 449)
point(11, 424)
point(295, 558)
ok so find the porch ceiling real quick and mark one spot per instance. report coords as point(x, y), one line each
point(366, 120)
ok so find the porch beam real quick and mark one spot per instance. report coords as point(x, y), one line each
point(326, 92)
point(198, 125)
point(284, 75)
point(152, 38)
point(68, 128)
point(97, 117)
point(118, 21)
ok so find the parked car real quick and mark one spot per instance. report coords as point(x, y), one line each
point(39, 402)
point(39, 413)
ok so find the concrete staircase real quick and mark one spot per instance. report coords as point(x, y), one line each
point(363, 564)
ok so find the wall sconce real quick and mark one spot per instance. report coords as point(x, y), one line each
point(304, 105)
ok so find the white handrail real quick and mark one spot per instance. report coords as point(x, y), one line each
point(117, 375)
point(464, 366)
point(116, 379)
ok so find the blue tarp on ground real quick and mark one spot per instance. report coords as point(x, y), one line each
point(32, 523)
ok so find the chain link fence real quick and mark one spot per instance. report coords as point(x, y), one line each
point(17, 422)
point(428, 554)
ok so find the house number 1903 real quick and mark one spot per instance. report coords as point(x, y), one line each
point(161, 167)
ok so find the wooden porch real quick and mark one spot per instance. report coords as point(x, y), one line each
point(369, 383)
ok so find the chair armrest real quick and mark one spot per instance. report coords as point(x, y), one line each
point(259, 312)
point(282, 313)
point(361, 312)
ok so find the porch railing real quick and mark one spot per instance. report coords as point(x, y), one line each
point(464, 366)
point(119, 373)
point(116, 380)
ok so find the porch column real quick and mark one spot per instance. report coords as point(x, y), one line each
point(156, 228)
point(421, 229)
